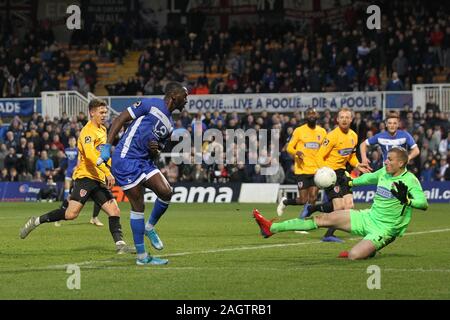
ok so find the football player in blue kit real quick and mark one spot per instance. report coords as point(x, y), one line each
point(133, 167)
point(71, 153)
point(392, 137)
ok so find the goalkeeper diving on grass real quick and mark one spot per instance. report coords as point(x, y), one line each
point(398, 192)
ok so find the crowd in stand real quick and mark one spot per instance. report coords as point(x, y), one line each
point(413, 43)
point(36, 62)
point(33, 150)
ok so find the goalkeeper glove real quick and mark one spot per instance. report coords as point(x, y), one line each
point(401, 193)
point(347, 179)
point(105, 154)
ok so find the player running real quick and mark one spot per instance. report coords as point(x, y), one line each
point(392, 137)
point(133, 167)
point(398, 192)
point(303, 146)
point(90, 181)
point(72, 160)
point(338, 149)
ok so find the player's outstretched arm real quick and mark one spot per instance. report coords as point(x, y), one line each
point(367, 178)
point(362, 167)
point(414, 153)
point(116, 125)
point(418, 198)
point(363, 150)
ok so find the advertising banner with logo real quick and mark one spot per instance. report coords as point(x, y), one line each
point(193, 193)
point(16, 107)
point(22, 191)
point(438, 191)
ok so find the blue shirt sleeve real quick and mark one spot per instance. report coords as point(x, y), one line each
point(140, 108)
point(410, 141)
point(373, 140)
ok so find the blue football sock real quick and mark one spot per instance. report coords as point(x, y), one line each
point(66, 193)
point(158, 210)
point(137, 224)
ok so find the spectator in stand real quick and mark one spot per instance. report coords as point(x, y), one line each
point(13, 175)
point(199, 174)
point(238, 173)
point(395, 84)
point(3, 130)
point(3, 155)
point(44, 163)
point(4, 175)
point(400, 66)
point(11, 141)
point(427, 174)
point(57, 143)
point(30, 161)
point(104, 50)
point(118, 50)
point(257, 177)
point(436, 41)
point(444, 146)
point(375, 160)
point(441, 169)
point(446, 51)
point(10, 159)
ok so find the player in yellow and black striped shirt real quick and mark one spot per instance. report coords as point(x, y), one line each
point(303, 146)
point(338, 149)
point(90, 180)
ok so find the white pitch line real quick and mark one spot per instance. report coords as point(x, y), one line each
point(280, 245)
point(424, 232)
point(240, 248)
point(268, 269)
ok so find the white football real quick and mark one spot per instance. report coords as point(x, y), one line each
point(325, 177)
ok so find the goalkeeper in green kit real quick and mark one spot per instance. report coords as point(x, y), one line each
point(398, 192)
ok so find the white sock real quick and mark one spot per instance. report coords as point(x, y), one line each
point(37, 222)
point(120, 242)
point(142, 256)
point(149, 226)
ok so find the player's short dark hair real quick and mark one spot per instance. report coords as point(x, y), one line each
point(392, 115)
point(173, 88)
point(310, 109)
point(95, 103)
point(401, 153)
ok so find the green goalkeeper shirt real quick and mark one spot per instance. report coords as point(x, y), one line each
point(387, 212)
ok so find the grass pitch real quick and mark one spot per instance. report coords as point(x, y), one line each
point(215, 252)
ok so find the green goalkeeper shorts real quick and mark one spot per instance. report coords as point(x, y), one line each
point(363, 225)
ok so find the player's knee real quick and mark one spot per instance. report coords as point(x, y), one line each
point(349, 205)
point(138, 208)
point(71, 215)
point(302, 200)
point(115, 212)
point(166, 194)
point(354, 255)
point(322, 220)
